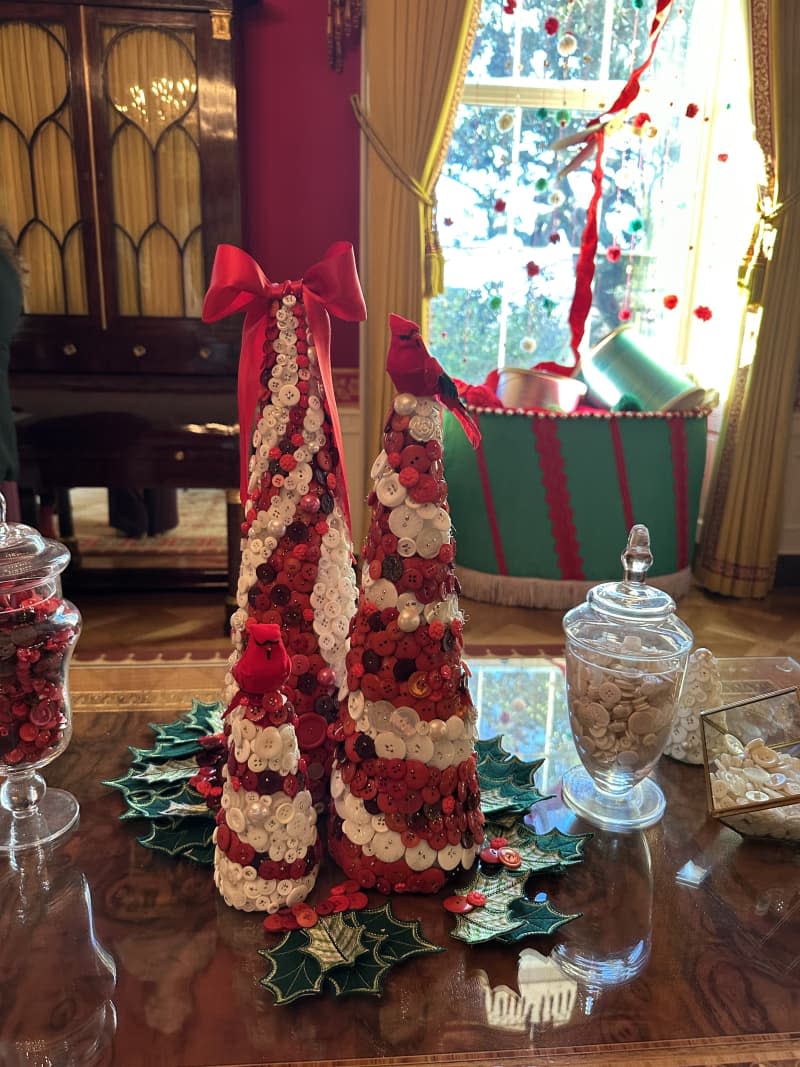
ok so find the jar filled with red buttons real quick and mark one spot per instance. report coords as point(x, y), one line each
point(38, 632)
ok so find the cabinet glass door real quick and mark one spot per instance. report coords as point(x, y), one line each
point(40, 198)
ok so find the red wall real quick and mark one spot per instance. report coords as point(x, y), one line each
point(299, 142)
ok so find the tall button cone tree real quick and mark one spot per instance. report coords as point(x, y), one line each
point(405, 810)
point(296, 569)
point(267, 852)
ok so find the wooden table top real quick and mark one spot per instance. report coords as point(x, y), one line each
point(718, 962)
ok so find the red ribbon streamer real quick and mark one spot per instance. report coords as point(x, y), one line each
point(584, 272)
point(330, 287)
point(556, 491)
point(680, 477)
point(622, 472)
point(414, 370)
point(491, 513)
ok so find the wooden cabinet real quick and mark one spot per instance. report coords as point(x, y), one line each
point(118, 179)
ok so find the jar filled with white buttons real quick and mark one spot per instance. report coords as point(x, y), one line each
point(626, 653)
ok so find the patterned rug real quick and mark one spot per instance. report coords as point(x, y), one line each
point(201, 530)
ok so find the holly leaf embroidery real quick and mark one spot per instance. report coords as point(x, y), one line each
point(334, 941)
point(507, 782)
point(352, 951)
point(540, 852)
point(181, 738)
point(294, 973)
point(179, 836)
point(155, 802)
point(495, 917)
point(538, 917)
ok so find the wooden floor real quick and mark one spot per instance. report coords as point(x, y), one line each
point(120, 623)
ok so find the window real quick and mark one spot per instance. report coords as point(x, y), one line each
point(511, 228)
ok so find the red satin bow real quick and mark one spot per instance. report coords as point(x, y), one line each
point(330, 287)
point(414, 370)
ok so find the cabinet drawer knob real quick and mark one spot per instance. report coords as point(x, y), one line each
point(179, 456)
point(139, 351)
point(204, 352)
point(69, 349)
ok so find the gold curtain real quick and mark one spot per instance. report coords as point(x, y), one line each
point(415, 55)
point(155, 171)
point(741, 527)
point(39, 203)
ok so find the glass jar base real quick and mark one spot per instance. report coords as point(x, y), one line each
point(641, 806)
point(56, 814)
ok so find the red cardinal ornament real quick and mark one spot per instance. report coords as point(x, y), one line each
point(267, 851)
point(265, 664)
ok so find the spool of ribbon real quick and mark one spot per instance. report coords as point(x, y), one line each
point(330, 287)
point(414, 370)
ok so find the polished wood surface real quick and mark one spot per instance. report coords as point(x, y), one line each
point(719, 982)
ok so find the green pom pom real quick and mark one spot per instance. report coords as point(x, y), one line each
point(627, 403)
point(542, 113)
point(635, 226)
point(495, 303)
point(540, 185)
point(638, 3)
point(563, 116)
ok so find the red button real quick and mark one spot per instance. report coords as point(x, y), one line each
point(476, 898)
point(457, 904)
point(311, 730)
point(509, 857)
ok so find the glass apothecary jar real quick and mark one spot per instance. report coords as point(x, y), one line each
point(626, 653)
point(38, 632)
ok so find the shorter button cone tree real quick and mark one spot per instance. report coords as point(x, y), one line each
point(267, 851)
point(405, 808)
point(296, 569)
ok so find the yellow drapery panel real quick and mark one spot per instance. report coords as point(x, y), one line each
point(415, 55)
point(741, 527)
point(38, 158)
point(151, 82)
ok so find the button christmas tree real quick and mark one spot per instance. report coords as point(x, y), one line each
point(296, 569)
point(267, 852)
point(405, 809)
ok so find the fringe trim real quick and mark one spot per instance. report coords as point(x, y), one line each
point(549, 593)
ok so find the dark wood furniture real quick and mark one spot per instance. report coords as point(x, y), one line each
point(719, 983)
point(121, 382)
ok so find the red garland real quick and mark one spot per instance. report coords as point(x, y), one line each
point(584, 273)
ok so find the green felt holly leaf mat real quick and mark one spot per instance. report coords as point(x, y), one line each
point(351, 950)
point(179, 836)
point(507, 782)
point(181, 738)
point(540, 852)
point(508, 914)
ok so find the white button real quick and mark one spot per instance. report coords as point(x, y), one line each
point(235, 819)
point(258, 838)
point(454, 728)
point(421, 427)
point(419, 747)
point(404, 721)
point(389, 746)
point(382, 594)
point(449, 857)
point(267, 743)
point(405, 403)
point(284, 813)
point(443, 755)
point(429, 542)
point(420, 857)
point(379, 714)
point(442, 519)
point(358, 833)
point(389, 490)
point(404, 522)
point(257, 763)
point(425, 406)
point(379, 466)
point(389, 846)
point(355, 704)
point(406, 547)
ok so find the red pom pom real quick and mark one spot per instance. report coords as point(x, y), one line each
point(532, 268)
point(640, 120)
point(723, 157)
point(551, 26)
point(691, 110)
point(509, 6)
point(613, 253)
point(670, 301)
point(702, 312)
point(554, 238)
point(499, 205)
point(624, 314)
